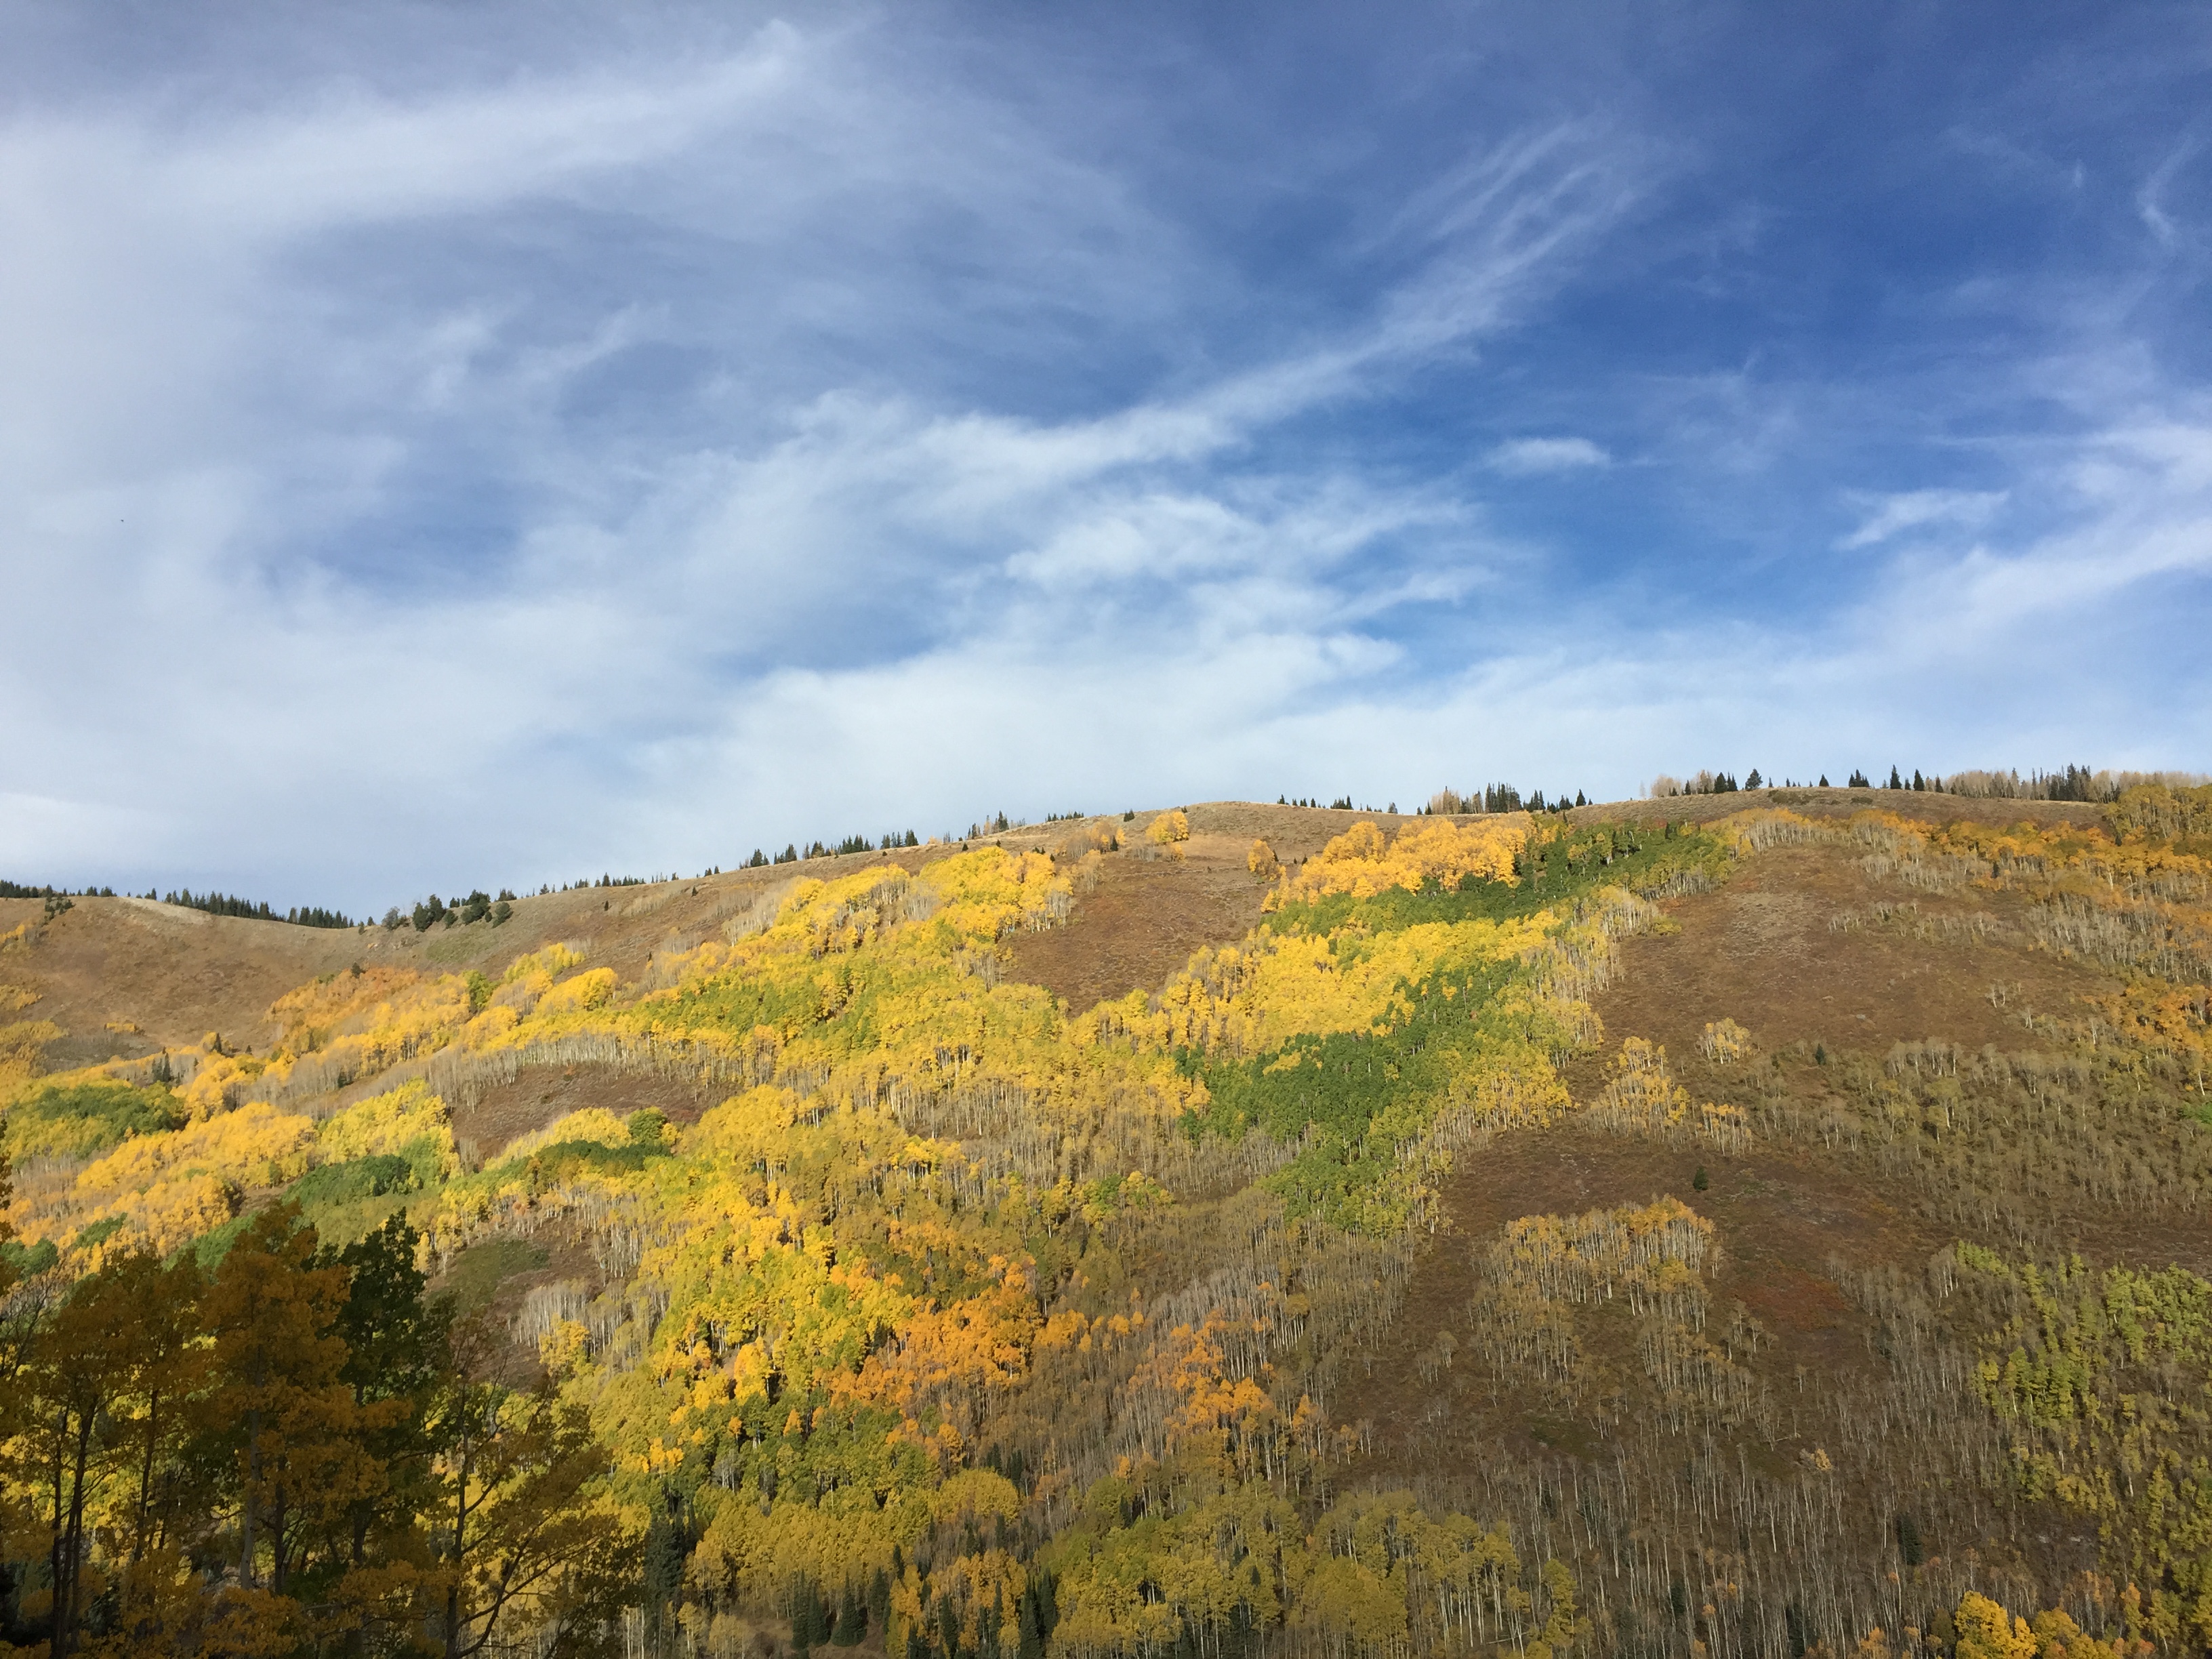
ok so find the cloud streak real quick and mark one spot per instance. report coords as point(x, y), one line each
point(1918, 509)
point(1524, 458)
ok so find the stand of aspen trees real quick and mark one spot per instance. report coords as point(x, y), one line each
point(974, 1326)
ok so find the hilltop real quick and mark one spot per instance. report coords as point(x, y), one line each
point(126, 977)
point(1723, 1224)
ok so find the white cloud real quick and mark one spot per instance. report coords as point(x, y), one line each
point(1523, 458)
point(1918, 509)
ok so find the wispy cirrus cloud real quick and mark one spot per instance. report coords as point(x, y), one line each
point(1917, 509)
point(1521, 457)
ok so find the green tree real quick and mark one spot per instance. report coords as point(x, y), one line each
point(397, 1353)
point(667, 1543)
point(852, 1621)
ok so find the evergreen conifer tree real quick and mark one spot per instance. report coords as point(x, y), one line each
point(1908, 1540)
point(852, 1620)
point(664, 1573)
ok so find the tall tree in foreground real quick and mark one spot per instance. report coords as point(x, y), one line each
point(523, 1530)
point(278, 1404)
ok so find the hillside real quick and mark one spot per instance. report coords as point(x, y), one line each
point(1728, 1224)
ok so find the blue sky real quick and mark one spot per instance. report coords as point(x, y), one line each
point(445, 446)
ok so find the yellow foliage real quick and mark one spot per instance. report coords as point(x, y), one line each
point(165, 1217)
point(552, 962)
point(744, 1126)
point(256, 1145)
point(977, 1584)
point(317, 1011)
point(391, 1123)
point(2057, 1637)
point(913, 1202)
point(758, 1556)
point(914, 954)
point(837, 1242)
point(1348, 1602)
point(1200, 1393)
point(1254, 998)
point(338, 1028)
point(979, 1344)
point(1985, 1631)
point(21, 1043)
point(217, 1083)
point(592, 1123)
point(2156, 1015)
point(579, 994)
point(1170, 827)
point(2154, 811)
point(834, 1291)
point(1362, 863)
point(1723, 1042)
point(1652, 1252)
point(168, 1189)
point(975, 1495)
point(563, 1346)
point(485, 1030)
point(1642, 1098)
point(1656, 1258)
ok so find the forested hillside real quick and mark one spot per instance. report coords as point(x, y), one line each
point(1751, 1223)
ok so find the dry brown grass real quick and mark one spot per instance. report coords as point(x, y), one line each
point(1762, 952)
point(486, 1117)
point(1142, 922)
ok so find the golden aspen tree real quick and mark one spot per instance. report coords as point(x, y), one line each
point(161, 1361)
point(1723, 1042)
point(75, 1378)
point(1985, 1630)
point(1169, 828)
point(277, 1401)
point(2057, 1637)
point(522, 1530)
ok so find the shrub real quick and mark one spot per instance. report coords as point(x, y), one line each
point(353, 1180)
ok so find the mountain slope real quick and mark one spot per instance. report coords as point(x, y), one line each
point(1729, 1224)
